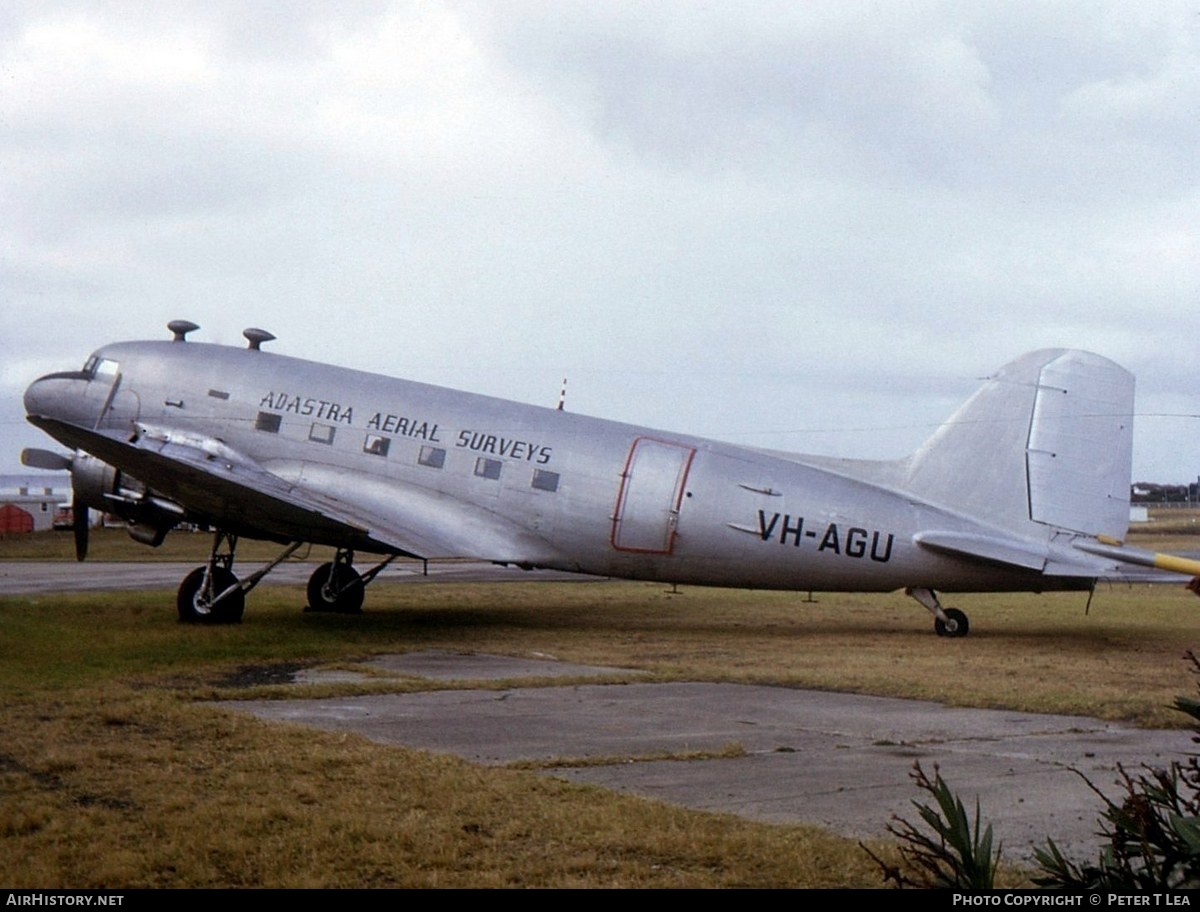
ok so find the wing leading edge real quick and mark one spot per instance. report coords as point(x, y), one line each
point(305, 501)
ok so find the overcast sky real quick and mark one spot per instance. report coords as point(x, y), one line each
point(801, 225)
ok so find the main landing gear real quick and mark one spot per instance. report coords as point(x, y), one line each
point(947, 622)
point(338, 587)
point(212, 594)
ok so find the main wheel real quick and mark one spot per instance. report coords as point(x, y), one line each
point(195, 605)
point(955, 625)
point(335, 587)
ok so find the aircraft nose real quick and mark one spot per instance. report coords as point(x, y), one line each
point(36, 396)
point(50, 396)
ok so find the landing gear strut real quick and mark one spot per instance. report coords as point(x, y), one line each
point(947, 622)
point(338, 587)
point(212, 594)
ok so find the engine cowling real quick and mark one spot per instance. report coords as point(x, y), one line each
point(94, 482)
point(100, 486)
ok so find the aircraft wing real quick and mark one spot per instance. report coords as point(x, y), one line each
point(303, 501)
point(418, 521)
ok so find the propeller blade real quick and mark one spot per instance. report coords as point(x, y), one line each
point(80, 528)
point(44, 459)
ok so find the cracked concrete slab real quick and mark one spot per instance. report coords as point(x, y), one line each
point(841, 761)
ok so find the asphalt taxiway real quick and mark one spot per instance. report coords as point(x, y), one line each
point(840, 761)
point(32, 577)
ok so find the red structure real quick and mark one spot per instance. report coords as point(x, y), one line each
point(14, 519)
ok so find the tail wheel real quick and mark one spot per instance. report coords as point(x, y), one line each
point(337, 588)
point(955, 625)
point(195, 600)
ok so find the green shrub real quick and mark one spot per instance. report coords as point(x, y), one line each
point(1151, 836)
point(957, 856)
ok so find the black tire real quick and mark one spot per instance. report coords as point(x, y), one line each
point(337, 588)
point(194, 610)
point(958, 626)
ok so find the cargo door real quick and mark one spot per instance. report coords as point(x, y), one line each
point(650, 495)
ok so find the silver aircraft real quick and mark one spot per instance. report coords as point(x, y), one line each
point(1025, 488)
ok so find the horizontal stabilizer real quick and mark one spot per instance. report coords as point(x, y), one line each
point(1169, 563)
point(984, 547)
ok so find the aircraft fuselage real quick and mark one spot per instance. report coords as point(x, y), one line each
point(440, 473)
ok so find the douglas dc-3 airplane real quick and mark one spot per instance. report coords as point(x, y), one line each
point(1025, 488)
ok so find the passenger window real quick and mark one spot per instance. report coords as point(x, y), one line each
point(321, 433)
point(488, 468)
point(545, 481)
point(434, 457)
point(268, 421)
point(377, 445)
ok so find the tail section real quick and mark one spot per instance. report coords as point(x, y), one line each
point(1048, 439)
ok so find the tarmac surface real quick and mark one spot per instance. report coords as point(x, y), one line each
point(32, 577)
point(839, 761)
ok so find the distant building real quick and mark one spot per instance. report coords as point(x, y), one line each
point(1145, 492)
point(28, 503)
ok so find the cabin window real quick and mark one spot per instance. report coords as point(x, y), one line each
point(321, 433)
point(377, 445)
point(434, 457)
point(218, 394)
point(488, 468)
point(545, 481)
point(268, 421)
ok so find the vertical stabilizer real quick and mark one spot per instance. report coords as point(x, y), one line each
point(1047, 440)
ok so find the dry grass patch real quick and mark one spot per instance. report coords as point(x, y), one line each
point(1041, 653)
point(133, 789)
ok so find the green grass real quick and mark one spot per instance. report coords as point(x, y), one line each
point(1032, 652)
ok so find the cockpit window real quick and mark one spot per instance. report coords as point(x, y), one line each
point(100, 367)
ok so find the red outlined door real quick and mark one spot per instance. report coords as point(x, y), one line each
point(651, 492)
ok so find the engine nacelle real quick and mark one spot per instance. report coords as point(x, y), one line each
point(107, 489)
point(94, 482)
